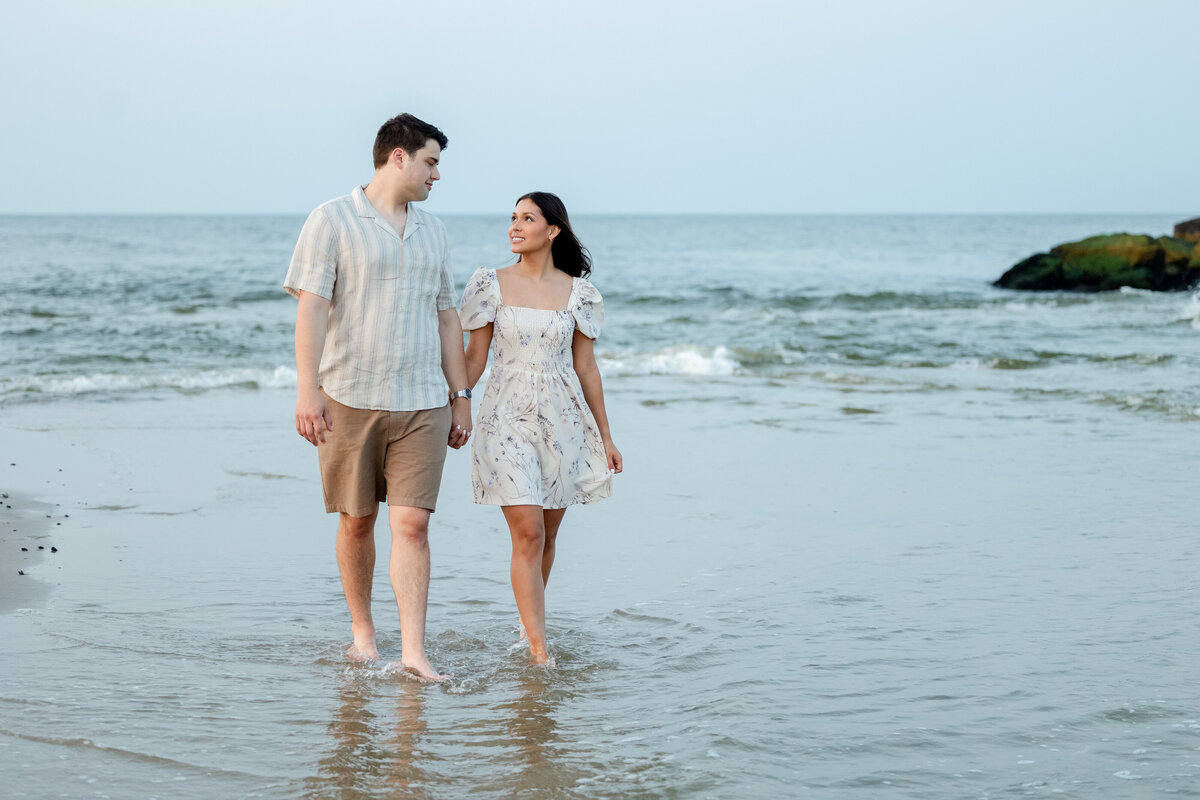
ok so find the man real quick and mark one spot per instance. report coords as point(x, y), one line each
point(378, 343)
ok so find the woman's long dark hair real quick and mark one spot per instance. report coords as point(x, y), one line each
point(568, 252)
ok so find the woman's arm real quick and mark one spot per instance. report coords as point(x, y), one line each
point(584, 355)
point(450, 334)
point(478, 344)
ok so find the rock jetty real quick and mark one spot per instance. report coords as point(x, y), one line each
point(1105, 263)
point(1189, 231)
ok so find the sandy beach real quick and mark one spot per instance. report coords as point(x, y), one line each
point(25, 541)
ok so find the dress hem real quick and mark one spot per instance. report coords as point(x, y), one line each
point(530, 502)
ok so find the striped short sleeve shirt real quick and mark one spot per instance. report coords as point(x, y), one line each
point(382, 349)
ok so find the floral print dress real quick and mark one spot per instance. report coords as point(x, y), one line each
point(535, 440)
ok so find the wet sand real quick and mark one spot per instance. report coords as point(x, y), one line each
point(26, 539)
point(928, 602)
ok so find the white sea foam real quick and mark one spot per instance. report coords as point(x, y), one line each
point(1191, 311)
point(974, 363)
point(680, 360)
point(1030, 305)
point(100, 383)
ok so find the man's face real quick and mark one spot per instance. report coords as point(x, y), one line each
point(419, 170)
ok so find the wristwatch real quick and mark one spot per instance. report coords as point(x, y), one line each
point(460, 393)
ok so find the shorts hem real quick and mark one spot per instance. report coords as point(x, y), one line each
point(414, 502)
point(336, 508)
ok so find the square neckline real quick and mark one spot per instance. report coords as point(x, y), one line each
point(570, 297)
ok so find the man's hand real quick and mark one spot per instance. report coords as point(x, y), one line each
point(460, 422)
point(312, 416)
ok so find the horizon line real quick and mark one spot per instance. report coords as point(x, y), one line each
point(624, 214)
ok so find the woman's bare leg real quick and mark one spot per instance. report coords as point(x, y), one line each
point(526, 526)
point(551, 519)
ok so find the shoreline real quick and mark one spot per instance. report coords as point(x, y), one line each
point(25, 543)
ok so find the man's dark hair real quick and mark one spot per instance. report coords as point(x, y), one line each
point(406, 132)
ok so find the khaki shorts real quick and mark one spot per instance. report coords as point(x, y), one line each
point(374, 456)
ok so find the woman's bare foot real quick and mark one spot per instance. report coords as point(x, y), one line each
point(541, 656)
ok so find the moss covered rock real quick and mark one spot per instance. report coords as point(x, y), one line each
point(1189, 230)
point(1104, 263)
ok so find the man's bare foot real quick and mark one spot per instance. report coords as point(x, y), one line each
point(355, 653)
point(421, 669)
point(363, 648)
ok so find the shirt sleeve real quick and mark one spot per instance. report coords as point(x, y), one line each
point(588, 310)
point(480, 300)
point(314, 262)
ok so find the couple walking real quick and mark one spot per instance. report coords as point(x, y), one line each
point(379, 346)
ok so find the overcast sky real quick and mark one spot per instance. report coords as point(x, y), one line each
point(622, 107)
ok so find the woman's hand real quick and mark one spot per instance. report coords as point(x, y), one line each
point(460, 422)
point(615, 463)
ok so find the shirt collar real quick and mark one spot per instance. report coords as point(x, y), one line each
point(363, 208)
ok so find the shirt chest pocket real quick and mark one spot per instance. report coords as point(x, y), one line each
point(417, 275)
point(389, 263)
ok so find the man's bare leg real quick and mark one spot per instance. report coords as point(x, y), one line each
point(356, 562)
point(409, 571)
point(526, 526)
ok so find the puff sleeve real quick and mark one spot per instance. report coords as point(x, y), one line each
point(480, 300)
point(588, 309)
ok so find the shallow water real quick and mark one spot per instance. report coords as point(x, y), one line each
point(851, 607)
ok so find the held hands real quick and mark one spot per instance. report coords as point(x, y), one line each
point(615, 462)
point(312, 416)
point(460, 422)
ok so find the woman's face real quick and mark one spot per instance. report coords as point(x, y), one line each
point(529, 231)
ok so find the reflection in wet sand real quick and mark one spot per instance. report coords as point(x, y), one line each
point(373, 756)
point(382, 744)
point(541, 764)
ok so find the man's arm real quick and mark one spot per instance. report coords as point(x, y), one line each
point(454, 367)
point(312, 413)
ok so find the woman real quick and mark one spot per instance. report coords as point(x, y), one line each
point(541, 438)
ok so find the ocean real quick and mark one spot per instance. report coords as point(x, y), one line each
point(885, 530)
point(106, 307)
